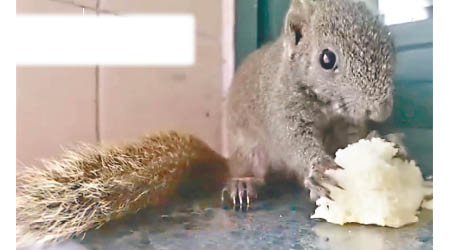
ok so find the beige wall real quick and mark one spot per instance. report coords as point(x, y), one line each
point(54, 106)
point(61, 7)
point(63, 105)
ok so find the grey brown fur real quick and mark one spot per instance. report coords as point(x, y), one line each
point(286, 112)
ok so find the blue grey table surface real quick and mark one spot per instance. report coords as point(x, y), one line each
point(278, 222)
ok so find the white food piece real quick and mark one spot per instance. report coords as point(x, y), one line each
point(379, 188)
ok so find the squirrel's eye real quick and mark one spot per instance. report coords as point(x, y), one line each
point(328, 59)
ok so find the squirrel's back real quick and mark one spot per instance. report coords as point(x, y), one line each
point(247, 95)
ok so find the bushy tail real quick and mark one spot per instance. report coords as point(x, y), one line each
point(92, 185)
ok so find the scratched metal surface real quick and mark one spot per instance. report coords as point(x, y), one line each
point(278, 222)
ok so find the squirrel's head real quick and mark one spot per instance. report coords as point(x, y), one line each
point(343, 54)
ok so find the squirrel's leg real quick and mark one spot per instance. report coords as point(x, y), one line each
point(307, 156)
point(248, 166)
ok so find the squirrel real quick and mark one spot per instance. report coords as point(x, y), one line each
point(291, 105)
point(295, 101)
point(93, 184)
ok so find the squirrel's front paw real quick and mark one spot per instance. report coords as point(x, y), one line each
point(317, 177)
point(240, 188)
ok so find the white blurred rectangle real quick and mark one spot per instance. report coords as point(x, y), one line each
point(156, 40)
point(403, 11)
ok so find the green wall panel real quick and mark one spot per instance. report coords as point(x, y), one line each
point(257, 22)
point(271, 19)
point(246, 29)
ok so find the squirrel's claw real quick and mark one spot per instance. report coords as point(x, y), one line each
point(242, 190)
point(317, 177)
point(316, 189)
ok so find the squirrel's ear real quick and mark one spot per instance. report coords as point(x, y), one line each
point(297, 18)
